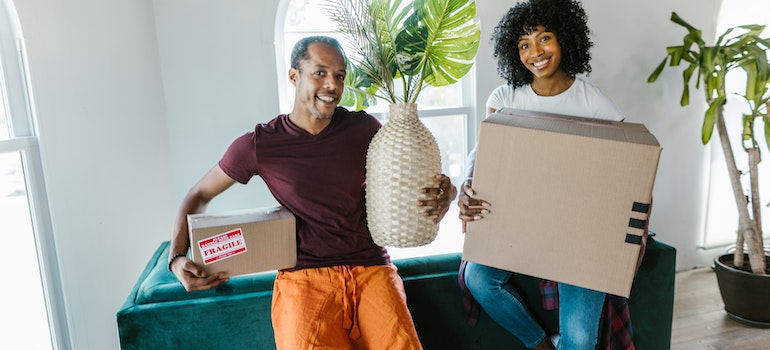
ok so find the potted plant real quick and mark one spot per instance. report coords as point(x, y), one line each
point(399, 48)
point(739, 47)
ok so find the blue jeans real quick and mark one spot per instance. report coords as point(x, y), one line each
point(579, 309)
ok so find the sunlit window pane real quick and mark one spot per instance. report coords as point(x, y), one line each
point(4, 128)
point(21, 298)
point(449, 132)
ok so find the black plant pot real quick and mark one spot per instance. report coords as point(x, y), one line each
point(746, 295)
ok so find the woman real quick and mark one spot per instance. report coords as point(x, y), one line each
point(541, 46)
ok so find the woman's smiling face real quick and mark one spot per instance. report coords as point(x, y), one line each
point(540, 52)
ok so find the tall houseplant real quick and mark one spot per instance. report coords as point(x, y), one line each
point(739, 47)
point(398, 49)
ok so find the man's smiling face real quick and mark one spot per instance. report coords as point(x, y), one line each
point(319, 81)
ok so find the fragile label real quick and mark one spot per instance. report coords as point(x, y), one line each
point(222, 246)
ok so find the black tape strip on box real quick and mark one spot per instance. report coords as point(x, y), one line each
point(633, 239)
point(641, 208)
point(637, 223)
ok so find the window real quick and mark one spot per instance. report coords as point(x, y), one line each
point(722, 215)
point(31, 302)
point(446, 111)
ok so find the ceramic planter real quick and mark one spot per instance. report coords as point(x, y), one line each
point(746, 295)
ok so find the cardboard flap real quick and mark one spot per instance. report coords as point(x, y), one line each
point(237, 217)
point(580, 126)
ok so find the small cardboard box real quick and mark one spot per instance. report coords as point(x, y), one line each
point(569, 197)
point(244, 241)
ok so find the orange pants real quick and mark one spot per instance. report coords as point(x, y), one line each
point(342, 307)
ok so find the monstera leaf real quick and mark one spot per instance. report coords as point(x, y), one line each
point(442, 36)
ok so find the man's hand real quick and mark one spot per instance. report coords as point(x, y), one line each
point(471, 208)
point(444, 195)
point(194, 277)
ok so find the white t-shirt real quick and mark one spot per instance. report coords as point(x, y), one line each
point(582, 99)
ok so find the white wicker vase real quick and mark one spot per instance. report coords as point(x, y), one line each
point(403, 157)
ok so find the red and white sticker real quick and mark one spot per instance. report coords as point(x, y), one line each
point(222, 246)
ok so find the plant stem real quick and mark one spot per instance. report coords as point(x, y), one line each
point(747, 225)
point(756, 246)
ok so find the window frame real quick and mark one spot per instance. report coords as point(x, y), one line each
point(15, 90)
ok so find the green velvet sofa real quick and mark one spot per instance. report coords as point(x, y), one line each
point(159, 314)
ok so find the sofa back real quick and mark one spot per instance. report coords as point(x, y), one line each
point(160, 314)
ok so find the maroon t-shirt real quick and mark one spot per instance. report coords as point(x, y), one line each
point(320, 178)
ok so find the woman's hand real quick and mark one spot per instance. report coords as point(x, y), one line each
point(471, 208)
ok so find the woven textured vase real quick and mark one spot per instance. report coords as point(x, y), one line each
point(403, 157)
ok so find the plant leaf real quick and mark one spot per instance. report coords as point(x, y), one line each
point(695, 34)
point(445, 34)
point(709, 119)
point(654, 76)
point(676, 53)
point(763, 68)
point(359, 90)
point(748, 131)
point(708, 56)
point(685, 99)
point(752, 80)
point(686, 76)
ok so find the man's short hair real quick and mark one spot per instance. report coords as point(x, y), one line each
point(299, 52)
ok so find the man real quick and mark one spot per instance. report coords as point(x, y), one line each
point(344, 293)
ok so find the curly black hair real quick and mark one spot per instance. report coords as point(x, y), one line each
point(566, 18)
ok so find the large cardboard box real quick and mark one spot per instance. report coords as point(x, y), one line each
point(569, 197)
point(244, 241)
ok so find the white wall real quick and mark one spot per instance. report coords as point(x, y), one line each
point(104, 143)
point(218, 68)
point(136, 99)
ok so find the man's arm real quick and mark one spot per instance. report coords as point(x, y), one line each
point(192, 276)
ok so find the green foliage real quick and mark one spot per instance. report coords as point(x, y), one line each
point(710, 65)
point(417, 43)
point(359, 89)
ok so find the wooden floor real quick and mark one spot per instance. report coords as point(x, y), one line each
point(700, 321)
